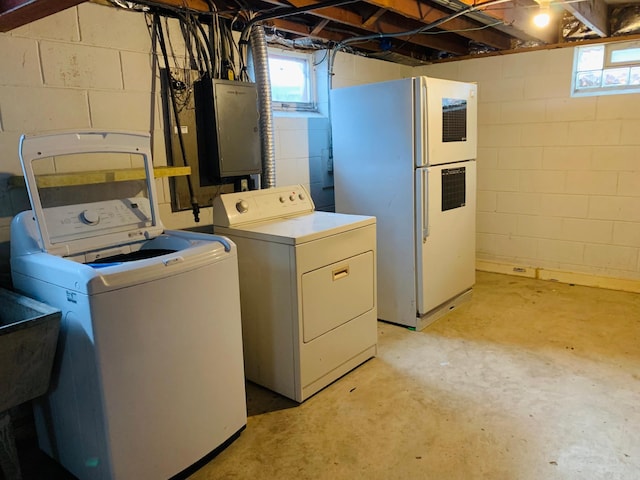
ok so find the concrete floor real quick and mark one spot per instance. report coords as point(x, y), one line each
point(530, 380)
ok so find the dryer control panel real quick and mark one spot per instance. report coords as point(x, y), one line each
point(259, 205)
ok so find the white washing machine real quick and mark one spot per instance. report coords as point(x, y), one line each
point(307, 288)
point(149, 375)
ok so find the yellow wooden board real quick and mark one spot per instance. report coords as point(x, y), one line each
point(99, 176)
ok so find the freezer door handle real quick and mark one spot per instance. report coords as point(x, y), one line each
point(420, 143)
point(423, 134)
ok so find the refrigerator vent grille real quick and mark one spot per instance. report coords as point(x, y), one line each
point(453, 188)
point(454, 120)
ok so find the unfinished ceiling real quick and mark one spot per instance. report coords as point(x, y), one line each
point(404, 31)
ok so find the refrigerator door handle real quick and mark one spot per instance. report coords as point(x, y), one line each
point(423, 207)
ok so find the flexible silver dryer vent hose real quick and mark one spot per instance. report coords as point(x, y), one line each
point(258, 43)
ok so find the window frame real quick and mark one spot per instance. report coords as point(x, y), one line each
point(312, 105)
point(615, 47)
point(607, 64)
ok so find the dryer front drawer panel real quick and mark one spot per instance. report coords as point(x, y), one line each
point(334, 294)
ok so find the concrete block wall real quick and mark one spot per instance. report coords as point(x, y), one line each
point(301, 142)
point(302, 155)
point(349, 70)
point(558, 177)
point(67, 72)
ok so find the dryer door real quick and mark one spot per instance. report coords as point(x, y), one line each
point(337, 293)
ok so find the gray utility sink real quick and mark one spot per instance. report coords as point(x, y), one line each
point(28, 338)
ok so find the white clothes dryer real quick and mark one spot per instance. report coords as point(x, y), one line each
point(149, 374)
point(307, 288)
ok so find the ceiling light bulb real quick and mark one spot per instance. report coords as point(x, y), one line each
point(542, 18)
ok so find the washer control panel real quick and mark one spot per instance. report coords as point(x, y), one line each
point(99, 218)
point(259, 205)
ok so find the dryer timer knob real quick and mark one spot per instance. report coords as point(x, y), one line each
point(242, 206)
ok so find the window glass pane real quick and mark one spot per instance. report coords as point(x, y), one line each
point(615, 76)
point(588, 79)
point(590, 58)
point(608, 69)
point(625, 55)
point(289, 79)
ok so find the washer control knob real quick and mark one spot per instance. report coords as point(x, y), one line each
point(292, 197)
point(282, 199)
point(242, 206)
point(301, 196)
point(90, 217)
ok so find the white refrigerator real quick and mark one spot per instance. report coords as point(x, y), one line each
point(404, 151)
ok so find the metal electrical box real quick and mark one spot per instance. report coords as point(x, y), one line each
point(184, 135)
point(228, 135)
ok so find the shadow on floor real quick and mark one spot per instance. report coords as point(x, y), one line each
point(36, 465)
point(261, 400)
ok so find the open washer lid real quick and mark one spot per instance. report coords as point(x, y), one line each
point(90, 190)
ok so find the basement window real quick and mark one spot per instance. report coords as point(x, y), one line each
point(606, 69)
point(292, 81)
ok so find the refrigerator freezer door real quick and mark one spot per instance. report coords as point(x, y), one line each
point(446, 121)
point(445, 233)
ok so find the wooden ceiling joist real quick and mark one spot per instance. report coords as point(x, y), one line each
point(319, 27)
point(296, 28)
point(593, 13)
point(418, 10)
point(410, 28)
point(15, 13)
point(370, 22)
point(518, 18)
point(384, 26)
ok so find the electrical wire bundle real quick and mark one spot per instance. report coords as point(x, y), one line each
point(209, 50)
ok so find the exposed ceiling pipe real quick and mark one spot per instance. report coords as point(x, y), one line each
point(260, 55)
point(254, 35)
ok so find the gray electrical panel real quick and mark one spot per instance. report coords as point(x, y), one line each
point(228, 134)
point(203, 188)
